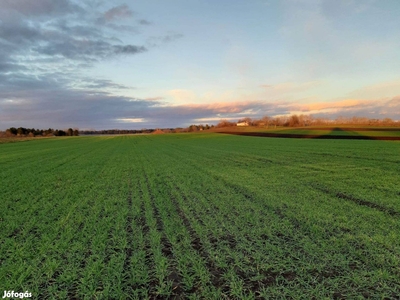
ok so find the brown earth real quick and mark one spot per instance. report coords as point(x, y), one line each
point(158, 131)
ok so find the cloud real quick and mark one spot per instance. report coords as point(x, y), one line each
point(99, 84)
point(154, 98)
point(45, 48)
point(211, 112)
point(40, 7)
point(182, 96)
point(321, 106)
point(131, 120)
point(48, 101)
point(225, 107)
point(17, 32)
point(379, 90)
point(156, 41)
point(129, 49)
point(170, 37)
point(63, 30)
point(144, 22)
point(117, 12)
point(376, 108)
point(256, 109)
point(214, 119)
point(10, 67)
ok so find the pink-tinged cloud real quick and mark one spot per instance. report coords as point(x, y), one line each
point(383, 89)
point(121, 11)
point(225, 107)
point(212, 112)
point(378, 108)
point(181, 95)
point(259, 108)
point(154, 98)
point(344, 104)
point(395, 102)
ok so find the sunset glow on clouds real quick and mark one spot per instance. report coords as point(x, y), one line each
point(126, 64)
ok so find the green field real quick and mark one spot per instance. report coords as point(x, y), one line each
point(326, 131)
point(200, 216)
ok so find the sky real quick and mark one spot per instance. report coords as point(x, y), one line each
point(100, 64)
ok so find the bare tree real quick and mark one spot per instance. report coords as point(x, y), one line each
point(225, 123)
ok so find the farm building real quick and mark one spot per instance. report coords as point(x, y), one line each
point(242, 124)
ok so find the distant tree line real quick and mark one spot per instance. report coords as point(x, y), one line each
point(32, 132)
point(191, 128)
point(116, 131)
point(266, 121)
point(308, 120)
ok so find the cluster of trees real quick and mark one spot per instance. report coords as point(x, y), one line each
point(32, 132)
point(226, 123)
point(308, 120)
point(200, 127)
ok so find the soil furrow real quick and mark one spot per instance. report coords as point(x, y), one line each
point(270, 277)
point(215, 271)
point(129, 236)
point(166, 249)
point(358, 201)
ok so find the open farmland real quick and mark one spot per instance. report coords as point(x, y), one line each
point(340, 132)
point(200, 216)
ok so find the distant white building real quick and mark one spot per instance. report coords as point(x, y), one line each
point(242, 124)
